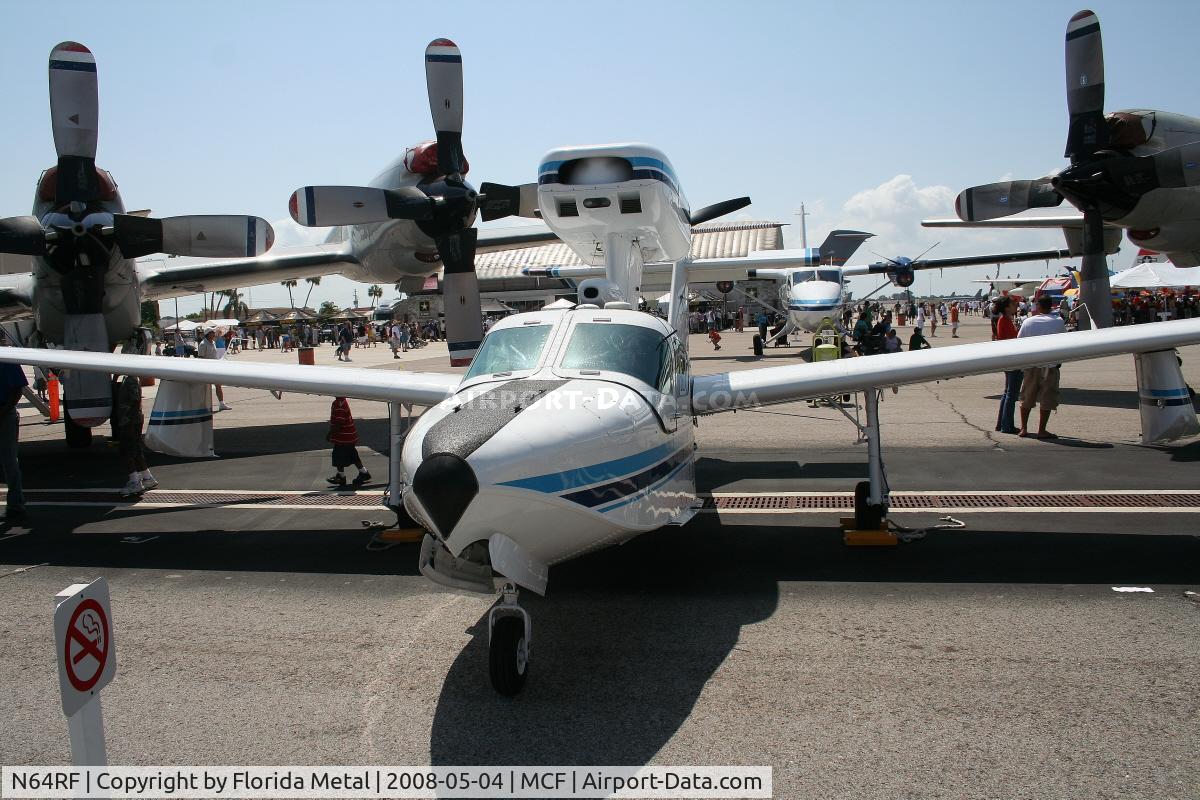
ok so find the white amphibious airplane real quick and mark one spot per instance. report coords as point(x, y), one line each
point(1138, 170)
point(85, 290)
point(573, 429)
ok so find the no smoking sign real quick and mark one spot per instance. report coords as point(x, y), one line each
point(87, 656)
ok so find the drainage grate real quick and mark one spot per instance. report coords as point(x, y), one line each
point(953, 500)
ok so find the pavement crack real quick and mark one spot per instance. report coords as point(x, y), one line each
point(23, 570)
point(950, 404)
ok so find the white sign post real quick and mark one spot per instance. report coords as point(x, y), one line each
point(86, 653)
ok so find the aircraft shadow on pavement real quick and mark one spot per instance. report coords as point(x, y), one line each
point(714, 474)
point(49, 464)
point(623, 645)
point(628, 638)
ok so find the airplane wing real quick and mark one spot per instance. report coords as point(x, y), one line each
point(417, 388)
point(757, 387)
point(1070, 224)
point(492, 240)
point(1057, 221)
point(193, 276)
point(178, 277)
point(966, 261)
point(699, 269)
point(15, 296)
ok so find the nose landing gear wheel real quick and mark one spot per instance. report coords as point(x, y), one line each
point(508, 655)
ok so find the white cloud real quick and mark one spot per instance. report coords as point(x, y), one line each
point(893, 211)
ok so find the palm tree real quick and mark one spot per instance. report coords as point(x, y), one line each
point(327, 310)
point(375, 292)
point(316, 281)
point(289, 284)
point(235, 308)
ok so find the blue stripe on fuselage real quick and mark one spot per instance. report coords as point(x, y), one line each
point(575, 478)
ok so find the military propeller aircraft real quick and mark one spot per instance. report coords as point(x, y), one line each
point(573, 429)
point(85, 290)
point(1138, 170)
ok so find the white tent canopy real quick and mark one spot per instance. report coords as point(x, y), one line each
point(1151, 275)
point(561, 302)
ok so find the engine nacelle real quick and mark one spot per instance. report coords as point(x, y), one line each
point(588, 193)
point(1175, 238)
point(600, 292)
point(902, 276)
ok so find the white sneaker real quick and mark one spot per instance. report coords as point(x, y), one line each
point(149, 481)
point(347, 358)
point(133, 488)
point(223, 406)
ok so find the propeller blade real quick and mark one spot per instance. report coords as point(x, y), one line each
point(22, 236)
point(497, 201)
point(718, 210)
point(460, 290)
point(1007, 197)
point(1095, 289)
point(74, 118)
point(1085, 87)
point(320, 206)
point(74, 103)
point(444, 81)
point(209, 236)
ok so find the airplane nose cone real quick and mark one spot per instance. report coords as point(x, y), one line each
point(445, 484)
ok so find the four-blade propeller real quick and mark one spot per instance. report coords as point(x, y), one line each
point(1104, 181)
point(443, 204)
point(81, 226)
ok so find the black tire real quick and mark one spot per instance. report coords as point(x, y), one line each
point(866, 516)
point(78, 437)
point(507, 665)
point(758, 345)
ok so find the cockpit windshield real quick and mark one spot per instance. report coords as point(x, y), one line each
point(509, 350)
point(628, 349)
point(829, 275)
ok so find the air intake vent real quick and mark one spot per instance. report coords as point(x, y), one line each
point(567, 208)
point(631, 205)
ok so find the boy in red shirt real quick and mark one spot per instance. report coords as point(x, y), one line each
point(344, 436)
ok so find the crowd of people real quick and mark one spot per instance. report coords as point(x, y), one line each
point(401, 336)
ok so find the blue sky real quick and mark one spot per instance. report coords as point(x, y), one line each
point(873, 114)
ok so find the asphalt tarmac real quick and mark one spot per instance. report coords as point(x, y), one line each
point(994, 660)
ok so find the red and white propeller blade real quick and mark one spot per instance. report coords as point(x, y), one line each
point(74, 101)
point(207, 236)
point(322, 206)
point(444, 81)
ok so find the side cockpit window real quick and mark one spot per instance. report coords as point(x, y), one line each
point(510, 350)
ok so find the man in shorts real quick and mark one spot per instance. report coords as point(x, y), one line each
point(1040, 384)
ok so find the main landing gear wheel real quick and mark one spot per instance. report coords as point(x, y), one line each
point(78, 436)
point(758, 345)
point(867, 517)
point(508, 648)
